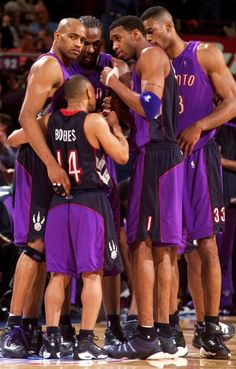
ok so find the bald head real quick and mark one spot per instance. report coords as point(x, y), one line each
point(76, 86)
point(67, 24)
point(157, 12)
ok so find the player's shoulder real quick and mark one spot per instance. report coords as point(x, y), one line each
point(95, 118)
point(209, 55)
point(46, 62)
point(151, 51)
point(208, 48)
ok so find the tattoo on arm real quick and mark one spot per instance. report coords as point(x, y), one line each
point(153, 84)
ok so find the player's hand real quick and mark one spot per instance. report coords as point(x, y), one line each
point(107, 74)
point(112, 120)
point(59, 179)
point(106, 105)
point(188, 139)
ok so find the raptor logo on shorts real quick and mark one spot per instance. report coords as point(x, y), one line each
point(38, 221)
point(113, 249)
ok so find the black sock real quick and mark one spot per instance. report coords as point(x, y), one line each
point(132, 317)
point(30, 323)
point(113, 321)
point(52, 330)
point(212, 319)
point(65, 320)
point(163, 329)
point(200, 323)
point(174, 319)
point(14, 320)
point(147, 333)
point(84, 333)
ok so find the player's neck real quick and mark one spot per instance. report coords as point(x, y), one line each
point(140, 46)
point(176, 47)
point(74, 106)
point(61, 57)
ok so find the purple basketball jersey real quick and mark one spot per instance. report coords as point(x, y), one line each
point(195, 92)
point(161, 129)
point(93, 75)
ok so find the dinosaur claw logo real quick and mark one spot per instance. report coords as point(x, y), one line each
point(38, 222)
point(113, 249)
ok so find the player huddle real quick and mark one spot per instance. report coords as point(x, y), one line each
point(66, 179)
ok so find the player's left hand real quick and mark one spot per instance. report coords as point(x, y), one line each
point(188, 139)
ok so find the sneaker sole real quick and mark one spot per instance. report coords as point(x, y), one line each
point(156, 356)
point(210, 355)
point(182, 351)
point(89, 356)
point(50, 355)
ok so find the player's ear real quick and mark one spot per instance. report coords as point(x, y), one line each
point(89, 92)
point(57, 36)
point(169, 26)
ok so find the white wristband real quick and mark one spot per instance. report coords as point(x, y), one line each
point(113, 72)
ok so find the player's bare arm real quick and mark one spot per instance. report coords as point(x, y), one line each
point(212, 61)
point(124, 71)
point(229, 164)
point(150, 67)
point(19, 137)
point(99, 134)
point(44, 78)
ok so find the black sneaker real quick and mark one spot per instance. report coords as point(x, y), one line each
point(180, 341)
point(129, 328)
point(51, 346)
point(86, 349)
point(213, 346)
point(168, 346)
point(113, 337)
point(67, 339)
point(137, 348)
point(14, 343)
point(197, 335)
point(36, 341)
point(227, 330)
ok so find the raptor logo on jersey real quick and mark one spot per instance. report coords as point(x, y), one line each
point(113, 249)
point(38, 221)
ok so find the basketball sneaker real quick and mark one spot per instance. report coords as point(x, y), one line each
point(213, 346)
point(36, 341)
point(86, 349)
point(168, 346)
point(14, 343)
point(137, 348)
point(129, 328)
point(51, 346)
point(180, 341)
point(113, 337)
point(227, 331)
point(67, 339)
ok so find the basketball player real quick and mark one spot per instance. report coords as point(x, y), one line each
point(33, 189)
point(154, 216)
point(90, 63)
point(86, 237)
point(201, 72)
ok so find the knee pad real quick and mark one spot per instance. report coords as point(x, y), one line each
point(34, 254)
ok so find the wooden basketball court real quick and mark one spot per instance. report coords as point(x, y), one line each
point(192, 361)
